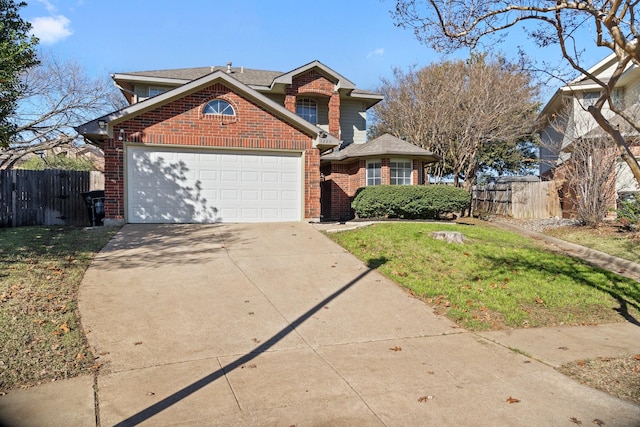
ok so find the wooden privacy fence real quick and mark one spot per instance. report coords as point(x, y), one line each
point(521, 200)
point(49, 197)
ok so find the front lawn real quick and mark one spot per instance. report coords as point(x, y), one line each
point(496, 279)
point(41, 338)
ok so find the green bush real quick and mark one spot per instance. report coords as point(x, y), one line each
point(410, 202)
point(629, 214)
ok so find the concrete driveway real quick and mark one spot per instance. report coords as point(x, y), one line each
point(274, 324)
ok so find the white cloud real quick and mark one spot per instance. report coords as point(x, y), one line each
point(378, 52)
point(51, 29)
point(47, 4)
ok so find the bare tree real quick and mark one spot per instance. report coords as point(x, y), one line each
point(586, 168)
point(57, 95)
point(459, 110)
point(447, 25)
point(592, 178)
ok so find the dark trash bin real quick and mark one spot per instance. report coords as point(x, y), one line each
point(95, 206)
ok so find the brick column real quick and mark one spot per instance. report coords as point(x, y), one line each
point(114, 181)
point(385, 172)
point(290, 103)
point(334, 114)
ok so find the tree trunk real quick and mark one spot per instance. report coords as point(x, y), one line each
point(623, 147)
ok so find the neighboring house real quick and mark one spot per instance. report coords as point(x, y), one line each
point(567, 121)
point(240, 145)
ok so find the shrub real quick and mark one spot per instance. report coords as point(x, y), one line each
point(410, 202)
point(629, 214)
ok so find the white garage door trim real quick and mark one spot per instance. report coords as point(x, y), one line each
point(178, 185)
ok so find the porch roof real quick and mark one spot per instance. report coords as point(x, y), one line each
point(384, 146)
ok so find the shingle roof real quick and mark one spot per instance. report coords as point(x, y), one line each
point(385, 145)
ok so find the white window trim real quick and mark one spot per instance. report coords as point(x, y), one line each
point(374, 178)
point(225, 111)
point(393, 171)
point(308, 103)
point(157, 89)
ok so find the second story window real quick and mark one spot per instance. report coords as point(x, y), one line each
point(590, 98)
point(219, 107)
point(307, 109)
point(153, 91)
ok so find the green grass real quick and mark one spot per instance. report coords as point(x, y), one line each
point(609, 239)
point(496, 279)
point(40, 271)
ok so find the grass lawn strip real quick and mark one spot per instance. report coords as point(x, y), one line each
point(496, 279)
point(610, 238)
point(40, 333)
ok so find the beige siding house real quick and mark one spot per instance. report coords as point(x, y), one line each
point(567, 120)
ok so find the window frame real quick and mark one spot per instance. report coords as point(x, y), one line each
point(401, 171)
point(307, 103)
point(590, 98)
point(220, 113)
point(373, 166)
point(157, 91)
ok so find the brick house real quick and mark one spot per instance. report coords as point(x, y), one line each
point(232, 144)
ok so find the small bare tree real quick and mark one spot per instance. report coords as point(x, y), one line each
point(57, 96)
point(587, 167)
point(460, 110)
point(592, 178)
point(447, 25)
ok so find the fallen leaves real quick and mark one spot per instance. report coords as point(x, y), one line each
point(62, 329)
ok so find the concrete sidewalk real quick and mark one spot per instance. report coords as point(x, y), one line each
point(274, 324)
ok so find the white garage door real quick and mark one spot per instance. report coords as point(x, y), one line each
point(184, 186)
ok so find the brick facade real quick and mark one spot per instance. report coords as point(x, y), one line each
point(313, 83)
point(181, 123)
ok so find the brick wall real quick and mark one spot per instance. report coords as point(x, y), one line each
point(181, 123)
point(311, 83)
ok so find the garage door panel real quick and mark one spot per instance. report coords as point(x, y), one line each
point(250, 176)
point(197, 186)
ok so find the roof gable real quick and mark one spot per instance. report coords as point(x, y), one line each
point(340, 81)
point(93, 131)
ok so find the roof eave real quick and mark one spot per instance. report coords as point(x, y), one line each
point(130, 78)
point(345, 158)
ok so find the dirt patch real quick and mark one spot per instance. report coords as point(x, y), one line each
point(619, 376)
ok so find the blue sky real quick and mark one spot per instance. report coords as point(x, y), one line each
point(356, 38)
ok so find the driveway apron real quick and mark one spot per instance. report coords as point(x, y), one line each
point(274, 324)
